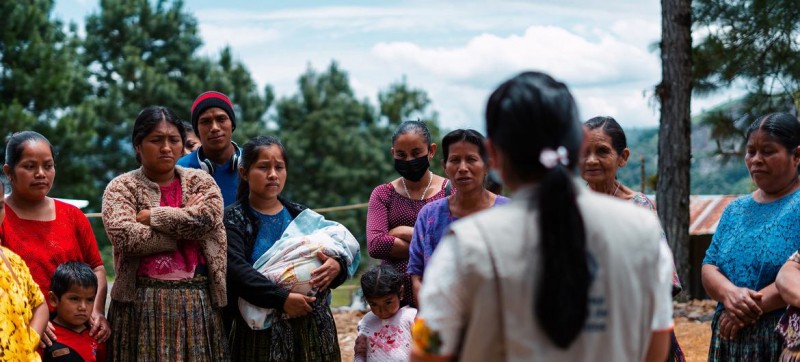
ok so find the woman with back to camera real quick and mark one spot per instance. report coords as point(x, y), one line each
point(605, 150)
point(44, 231)
point(393, 207)
point(755, 235)
point(466, 163)
point(559, 273)
point(165, 223)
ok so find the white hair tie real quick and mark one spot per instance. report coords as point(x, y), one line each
point(549, 158)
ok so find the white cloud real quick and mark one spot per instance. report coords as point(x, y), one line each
point(639, 32)
point(555, 50)
point(605, 69)
point(456, 52)
point(217, 36)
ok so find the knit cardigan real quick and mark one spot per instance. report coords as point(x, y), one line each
point(132, 192)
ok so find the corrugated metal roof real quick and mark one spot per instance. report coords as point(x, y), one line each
point(705, 211)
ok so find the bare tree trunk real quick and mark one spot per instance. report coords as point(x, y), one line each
point(674, 142)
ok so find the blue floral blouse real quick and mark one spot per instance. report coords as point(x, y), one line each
point(753, 240)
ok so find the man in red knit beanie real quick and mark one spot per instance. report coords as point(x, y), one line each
point(214, 121)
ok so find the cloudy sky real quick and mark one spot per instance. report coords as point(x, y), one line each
point(458, 51)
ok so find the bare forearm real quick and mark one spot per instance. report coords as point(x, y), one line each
point(402, 232)
point(416, 284)
point(659, 347)
point(788, 283)
point(102, 290)
point(715, 284)
point(772, 299)
point(40, 317)
point(399, 249)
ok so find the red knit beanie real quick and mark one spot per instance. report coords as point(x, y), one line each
point(208, 100)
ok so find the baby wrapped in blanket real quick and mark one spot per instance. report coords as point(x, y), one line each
point(289, 262)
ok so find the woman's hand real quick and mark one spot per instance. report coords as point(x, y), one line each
point(743, 303)
point(322, 277)
point(143, 217)
point(194, 200)
point(729, 325)
point(297, 305)
point(360, 348)
point(101, 329)
point(49, 336)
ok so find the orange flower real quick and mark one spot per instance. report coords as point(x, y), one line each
point(425, 338)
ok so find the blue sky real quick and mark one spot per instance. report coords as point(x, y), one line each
point(458, 51)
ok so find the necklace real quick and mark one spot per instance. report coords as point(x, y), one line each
point(617, 189)
point(403, 180)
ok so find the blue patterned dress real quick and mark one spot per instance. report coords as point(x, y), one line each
point(751, 243)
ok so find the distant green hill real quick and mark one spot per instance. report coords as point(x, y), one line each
point(710, 174)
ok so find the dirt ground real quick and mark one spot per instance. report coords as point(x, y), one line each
point(346, 323)
point(693, 336)
point(692, 329)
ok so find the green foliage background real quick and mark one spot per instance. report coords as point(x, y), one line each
point(711, 173)
point(84, 92)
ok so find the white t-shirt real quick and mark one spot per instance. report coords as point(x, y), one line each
point(388, 340)
point(629, 298)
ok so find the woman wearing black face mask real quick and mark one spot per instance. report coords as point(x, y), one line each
point(393, 207)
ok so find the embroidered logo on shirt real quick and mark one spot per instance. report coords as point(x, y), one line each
point(60, 352)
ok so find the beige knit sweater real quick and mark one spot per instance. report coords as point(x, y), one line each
point(132, 192)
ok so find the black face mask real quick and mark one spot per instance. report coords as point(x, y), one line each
point(412, 170)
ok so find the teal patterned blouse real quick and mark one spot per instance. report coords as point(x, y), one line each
point(754, 239)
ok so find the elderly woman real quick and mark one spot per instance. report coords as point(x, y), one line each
point(606, 150)
point(165, 223)
point(756, 234)
point(44, 231)
point(466, 163)
point(505, 284)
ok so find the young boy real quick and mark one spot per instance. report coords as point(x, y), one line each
point(72, 293)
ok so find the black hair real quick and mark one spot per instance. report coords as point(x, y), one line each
point(783, 127)
point(70, 274)
point(611, 129)
point(525, 115)
point(249, 156)
point(381, 280)
point(148, 119)
point(466, 135)
point(16, 144)
point(492, 186)
point(418, 127)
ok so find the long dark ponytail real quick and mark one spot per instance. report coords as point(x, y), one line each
point(533, 120)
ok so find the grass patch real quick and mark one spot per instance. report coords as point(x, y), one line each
point(340, 297)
